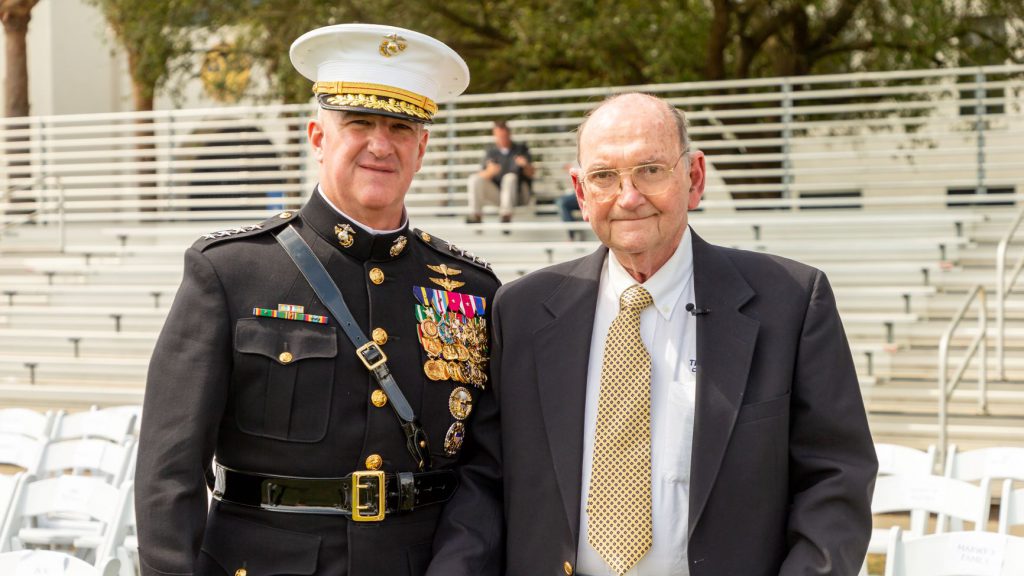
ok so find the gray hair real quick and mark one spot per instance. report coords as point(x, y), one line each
point(678, 115)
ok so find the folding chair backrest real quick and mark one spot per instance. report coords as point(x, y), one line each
point(114, 426)
point(10, 484)
point(25, 422)
point(79, 497)
point(896, 459)
point(945, 497)
point(122, 526)
point(21, 451)
point(955, 554)
point(89, 456)
point(45, 563)
point(133, 409)
point(996, 463)
point(1011, 507)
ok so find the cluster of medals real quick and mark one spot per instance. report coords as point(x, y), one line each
point(453, 332)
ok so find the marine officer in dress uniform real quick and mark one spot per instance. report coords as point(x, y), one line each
point(328, 434)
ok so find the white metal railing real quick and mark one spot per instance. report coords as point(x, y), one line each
point(979, 345)
point(892, 139)
point(1004, 287)
point(41, 211)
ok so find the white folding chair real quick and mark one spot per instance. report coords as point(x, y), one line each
point(954, 554)
point(25, 422)
point(121, 540)
point(896, 459)
point(66, 496)
point(1011, 507)
point(98, 458)
point(50, 563)
point(133, 409)
point(22, 451)
point(997, 463)
point(10, 485)
point(112, 425)
point(944, 497)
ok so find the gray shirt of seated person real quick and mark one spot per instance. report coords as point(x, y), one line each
point(507, 160)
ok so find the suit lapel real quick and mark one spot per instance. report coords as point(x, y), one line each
point(561, 348)
point(725, 346)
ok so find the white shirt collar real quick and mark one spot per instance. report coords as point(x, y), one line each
point(667, 284)
point(405, 216)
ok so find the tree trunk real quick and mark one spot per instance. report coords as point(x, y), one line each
point(16, 82)
point(142, 101)
point(718, 40)
point(16, 104)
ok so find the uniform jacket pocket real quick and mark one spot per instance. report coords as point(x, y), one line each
point(283, 378)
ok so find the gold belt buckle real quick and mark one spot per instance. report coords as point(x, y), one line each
point(358, 488)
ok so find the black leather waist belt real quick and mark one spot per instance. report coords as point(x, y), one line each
point(366, 496)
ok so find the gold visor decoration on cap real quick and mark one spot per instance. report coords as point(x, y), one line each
point(375, 97)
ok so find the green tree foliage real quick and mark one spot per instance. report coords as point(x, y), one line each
point(158, 38)
point(543, 44)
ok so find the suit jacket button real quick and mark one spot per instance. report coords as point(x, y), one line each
point(380, 336)
point(379, 398)
point(240, 572)
point(568, 569)
point(376, 276)
point(373, 462)
point(285, 358)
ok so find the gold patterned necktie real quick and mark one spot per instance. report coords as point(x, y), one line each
point(619, 501)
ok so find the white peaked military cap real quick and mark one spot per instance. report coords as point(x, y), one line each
point(379, 69)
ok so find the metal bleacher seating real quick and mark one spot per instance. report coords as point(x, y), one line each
point(884, 181)
point(892, 194)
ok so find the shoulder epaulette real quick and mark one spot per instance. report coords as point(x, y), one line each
point(245, 231)
point(449, 249)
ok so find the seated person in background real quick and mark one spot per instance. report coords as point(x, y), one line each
point(505, 178)
point(569, 206)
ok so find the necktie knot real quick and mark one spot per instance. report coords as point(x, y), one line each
point(636, 298)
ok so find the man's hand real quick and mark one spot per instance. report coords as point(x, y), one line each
point(492, 170)
point(524, 163)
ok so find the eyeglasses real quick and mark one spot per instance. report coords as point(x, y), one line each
point(648, 179)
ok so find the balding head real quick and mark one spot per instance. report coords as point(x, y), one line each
point(634, 103)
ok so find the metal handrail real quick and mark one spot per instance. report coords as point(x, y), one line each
point(1003, 290)
point(980, 343)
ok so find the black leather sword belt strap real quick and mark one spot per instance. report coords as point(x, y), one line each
point(368, 351)
point(364, 496)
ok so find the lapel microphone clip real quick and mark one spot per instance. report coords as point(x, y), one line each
point(694, 311)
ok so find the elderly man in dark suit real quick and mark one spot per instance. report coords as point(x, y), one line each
point(327, 358)
point(667, 407)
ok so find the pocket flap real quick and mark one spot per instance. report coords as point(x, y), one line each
point(271, 337)
point(236, 543)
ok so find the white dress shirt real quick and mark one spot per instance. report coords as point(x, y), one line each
point(405, 215)
point(669, 333)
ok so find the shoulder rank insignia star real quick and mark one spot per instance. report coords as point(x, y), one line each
point(346, 234)
point(231, 231)
point(446, 282)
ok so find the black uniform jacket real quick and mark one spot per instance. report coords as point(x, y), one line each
point(289, 397)
point(782, 466)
